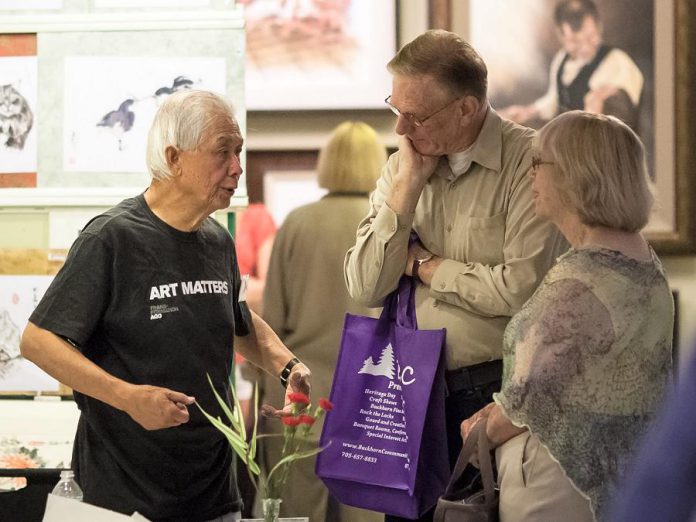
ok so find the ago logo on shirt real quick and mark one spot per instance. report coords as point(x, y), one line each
point(170, 290)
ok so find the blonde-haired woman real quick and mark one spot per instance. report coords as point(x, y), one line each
point(305, 299)
point(587, 359)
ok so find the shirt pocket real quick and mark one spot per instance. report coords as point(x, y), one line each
point(484, 239)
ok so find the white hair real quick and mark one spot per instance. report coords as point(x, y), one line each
point(181, 122)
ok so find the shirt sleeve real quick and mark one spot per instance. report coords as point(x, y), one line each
point(242, 315)
point(619, 70)
point(77, 298)
point(547, 105)
point(529, 249)
point(374, 265)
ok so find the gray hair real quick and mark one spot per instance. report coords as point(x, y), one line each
point(452, 61)
point(184, 121)
point(600, 169)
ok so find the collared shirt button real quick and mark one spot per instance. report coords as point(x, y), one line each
point(442, 285)
point(393, 228)
point(449, 228)
point(436, 304)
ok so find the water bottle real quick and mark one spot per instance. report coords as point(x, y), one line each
point(67, 487)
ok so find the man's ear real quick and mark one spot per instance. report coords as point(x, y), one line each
point(173, 156)
point(470, 106)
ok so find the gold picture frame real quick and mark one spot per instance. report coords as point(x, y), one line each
point(672, 230)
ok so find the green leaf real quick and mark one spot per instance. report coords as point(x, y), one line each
point(238, 410)
point(236, 433)
point(225, 408)
point(296, 456)
point(252, 451)
point(226, 430)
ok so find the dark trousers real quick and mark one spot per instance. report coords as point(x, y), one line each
point(459, 406)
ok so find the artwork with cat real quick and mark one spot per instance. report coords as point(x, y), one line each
point(16, 117)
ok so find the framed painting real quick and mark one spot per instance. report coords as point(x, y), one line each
point(524, 51)
point(318, 55)
point(18, 114)
point(101, 77)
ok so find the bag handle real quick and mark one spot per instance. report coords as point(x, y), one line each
point(477, 440)
point(400, 305)
point(406, 307)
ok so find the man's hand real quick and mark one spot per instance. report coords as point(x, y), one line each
point(155, 408)
point(413, 164)
point(410, 178)
point(298, 382)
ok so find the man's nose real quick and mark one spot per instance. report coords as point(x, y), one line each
point(402, 125)
point(235, 169)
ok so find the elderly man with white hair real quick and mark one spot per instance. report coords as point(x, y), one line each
point(147, 303)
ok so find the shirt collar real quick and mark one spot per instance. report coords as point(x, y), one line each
point(486, 150)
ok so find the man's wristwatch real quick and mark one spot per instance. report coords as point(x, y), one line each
point(418, 261)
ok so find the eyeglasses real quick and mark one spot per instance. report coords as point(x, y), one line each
point(538, 162)
point(412, 118)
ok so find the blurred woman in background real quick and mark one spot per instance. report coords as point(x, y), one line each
point(305, 299)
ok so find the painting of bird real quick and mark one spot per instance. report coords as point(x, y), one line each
point(179, 83)
point(122, 117)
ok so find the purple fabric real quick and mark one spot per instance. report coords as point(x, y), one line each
point(388, 443)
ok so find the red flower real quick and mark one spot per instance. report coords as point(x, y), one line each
point(307, 419)
point(291, 421)
point(298, 398)
point(325, 404)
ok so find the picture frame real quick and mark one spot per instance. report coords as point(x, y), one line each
point(25, 274)
point(672, 227)
point(319, 57)
point(69, 44)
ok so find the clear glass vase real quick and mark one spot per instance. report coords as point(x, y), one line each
point(271, 509)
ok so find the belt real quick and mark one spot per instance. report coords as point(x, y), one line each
point(471, 377)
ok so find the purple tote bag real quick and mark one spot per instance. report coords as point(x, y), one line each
point(388, 443)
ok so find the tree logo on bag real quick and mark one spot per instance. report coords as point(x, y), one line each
point(386, 366)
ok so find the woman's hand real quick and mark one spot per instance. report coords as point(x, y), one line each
point(499, 428)
point(468, 424)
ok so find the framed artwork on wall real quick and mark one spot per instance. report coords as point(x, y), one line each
point(101, 77)
point(523, 49)
point(18, 114)
point(318, 55)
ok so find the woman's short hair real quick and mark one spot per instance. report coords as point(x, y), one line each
point(352, 159)
point(600, 169)
point(448, 58)
point(185, 120)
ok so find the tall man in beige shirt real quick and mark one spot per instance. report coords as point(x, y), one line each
point(459, 180)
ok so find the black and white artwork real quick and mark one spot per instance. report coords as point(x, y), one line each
point(18, 96)
point(110, 103)
point(19, 295)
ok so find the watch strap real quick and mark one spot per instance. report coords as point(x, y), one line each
point(414, 270)
point(285, 374)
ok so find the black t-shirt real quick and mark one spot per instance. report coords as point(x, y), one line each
point(151, 305)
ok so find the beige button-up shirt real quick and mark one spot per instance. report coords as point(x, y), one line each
point(482, 223)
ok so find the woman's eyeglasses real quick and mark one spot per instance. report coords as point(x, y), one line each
point(538, 162)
